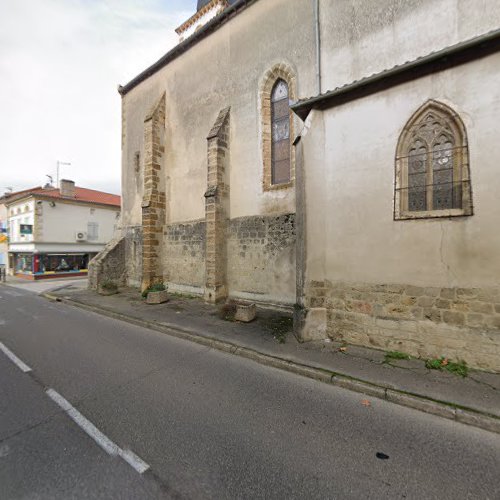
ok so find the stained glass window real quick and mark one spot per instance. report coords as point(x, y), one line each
point(432, 170)
point(280, 118)
point(417, 156)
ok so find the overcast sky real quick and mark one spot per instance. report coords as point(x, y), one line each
point(60, 64)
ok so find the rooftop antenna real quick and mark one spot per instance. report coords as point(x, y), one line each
point(59, 163)
point(51, 180)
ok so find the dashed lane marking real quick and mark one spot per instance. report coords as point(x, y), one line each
point(20, 364)
point(101, 439)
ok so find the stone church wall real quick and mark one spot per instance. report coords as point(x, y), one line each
point(261, 258)
point(184, 254)
point(133, 255)
point(459, 323)
point(429, 287)
point(198, 85)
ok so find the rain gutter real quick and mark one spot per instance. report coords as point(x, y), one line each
point(318, 44)
point(449, 57)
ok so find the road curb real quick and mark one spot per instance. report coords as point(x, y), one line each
point(451, 411)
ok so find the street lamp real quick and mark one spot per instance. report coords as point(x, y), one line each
point(59, 163)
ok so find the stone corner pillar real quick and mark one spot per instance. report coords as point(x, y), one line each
point(154, 197)
point(217, 209)
point(311, 324)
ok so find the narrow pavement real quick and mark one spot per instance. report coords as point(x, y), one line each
point(207, 424)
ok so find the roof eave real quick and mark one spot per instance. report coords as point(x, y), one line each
point(47, 197)
point(454, 55)
point(182, 47)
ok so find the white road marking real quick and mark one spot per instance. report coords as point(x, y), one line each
point(102, 440)
point(134, 461)
point(20, 364)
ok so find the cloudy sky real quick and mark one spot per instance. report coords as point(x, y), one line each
point(60, 64)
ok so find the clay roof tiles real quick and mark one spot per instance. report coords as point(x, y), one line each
point(81, 195)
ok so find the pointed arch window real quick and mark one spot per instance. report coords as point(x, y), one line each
point(280, 141)
point(432, 166)
point(277, 89)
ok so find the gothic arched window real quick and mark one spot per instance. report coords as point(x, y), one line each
point(280, 124)
point(432, 165)
point(276, 90)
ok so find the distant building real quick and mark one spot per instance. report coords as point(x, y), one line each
point(3, 232)
point(4, 224)
point(56, 232)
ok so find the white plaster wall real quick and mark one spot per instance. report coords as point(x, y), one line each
point(60, 223)
point(351, 234)
point(362, 37)
point(20, 213)
point(3, 215)
point(224, 69)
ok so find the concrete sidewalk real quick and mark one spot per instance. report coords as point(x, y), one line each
point(46, 285)
point(473, 400)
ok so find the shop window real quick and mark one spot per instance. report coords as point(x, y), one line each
point(24, 263)
point(54, 263)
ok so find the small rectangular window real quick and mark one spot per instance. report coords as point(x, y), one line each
point(92, 231)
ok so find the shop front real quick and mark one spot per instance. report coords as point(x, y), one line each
point(51, 265)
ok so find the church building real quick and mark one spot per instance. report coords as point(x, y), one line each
point(335, 157)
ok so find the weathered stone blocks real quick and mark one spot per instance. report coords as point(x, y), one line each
point(154, 198)
point(157, 297)
point(424, 321)
point(109, 264)
point(261, 255)
point(184, 253)
point(245, 312)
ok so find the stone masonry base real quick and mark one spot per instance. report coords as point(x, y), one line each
point(109, 264)
point(459, 323)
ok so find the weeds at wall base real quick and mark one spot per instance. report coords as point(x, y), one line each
point(442, 363)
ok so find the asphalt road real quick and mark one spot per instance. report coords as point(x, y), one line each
point(208, 424)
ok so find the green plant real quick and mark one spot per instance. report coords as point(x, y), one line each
point(458, 368)
point(434, 364)
point(395, 355)
point(157, 287)
point(442, 363)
